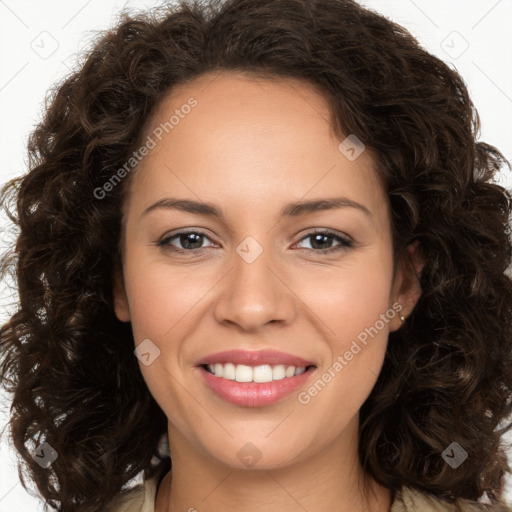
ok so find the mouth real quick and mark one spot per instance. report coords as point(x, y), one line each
point(254, 378)
point(249, 392)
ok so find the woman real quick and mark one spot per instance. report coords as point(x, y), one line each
point(264, 236)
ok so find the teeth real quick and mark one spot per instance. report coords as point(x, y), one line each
point(243, 373)
point(229, 371)
point(262, 373)
point(278, 372)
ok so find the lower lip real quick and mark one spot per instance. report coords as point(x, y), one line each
point(254, 394)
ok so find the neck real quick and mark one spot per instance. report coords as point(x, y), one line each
point(331, 480)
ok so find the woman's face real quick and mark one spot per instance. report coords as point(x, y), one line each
point(252, 276)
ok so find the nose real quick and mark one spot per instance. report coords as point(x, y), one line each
point(254, 293)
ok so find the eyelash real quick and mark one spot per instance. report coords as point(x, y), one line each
point(344, 242)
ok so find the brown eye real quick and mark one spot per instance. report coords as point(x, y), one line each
point(321, 239)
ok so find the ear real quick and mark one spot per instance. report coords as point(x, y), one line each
point(407, 287)
point(121, 307)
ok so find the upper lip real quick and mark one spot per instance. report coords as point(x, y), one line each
point(255, 358)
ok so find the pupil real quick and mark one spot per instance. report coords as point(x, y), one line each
point(318, 238)
point(185, 240)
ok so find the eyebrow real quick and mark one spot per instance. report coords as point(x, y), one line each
point(290, 210)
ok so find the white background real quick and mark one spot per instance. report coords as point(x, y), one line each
point(39, 43)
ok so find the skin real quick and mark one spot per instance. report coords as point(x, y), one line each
point(251, 146)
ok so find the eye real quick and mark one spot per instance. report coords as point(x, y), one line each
point(189, 240)
point(326, 237)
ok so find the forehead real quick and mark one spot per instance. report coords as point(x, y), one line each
point(251, 136)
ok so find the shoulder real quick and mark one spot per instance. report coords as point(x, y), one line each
point(409, 499)
point(140, 498)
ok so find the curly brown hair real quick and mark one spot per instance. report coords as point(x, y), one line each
point(69, 362)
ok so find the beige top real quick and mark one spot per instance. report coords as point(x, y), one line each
point(142, 499)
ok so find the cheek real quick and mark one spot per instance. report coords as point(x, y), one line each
point(351, 299)
point(162, 297)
